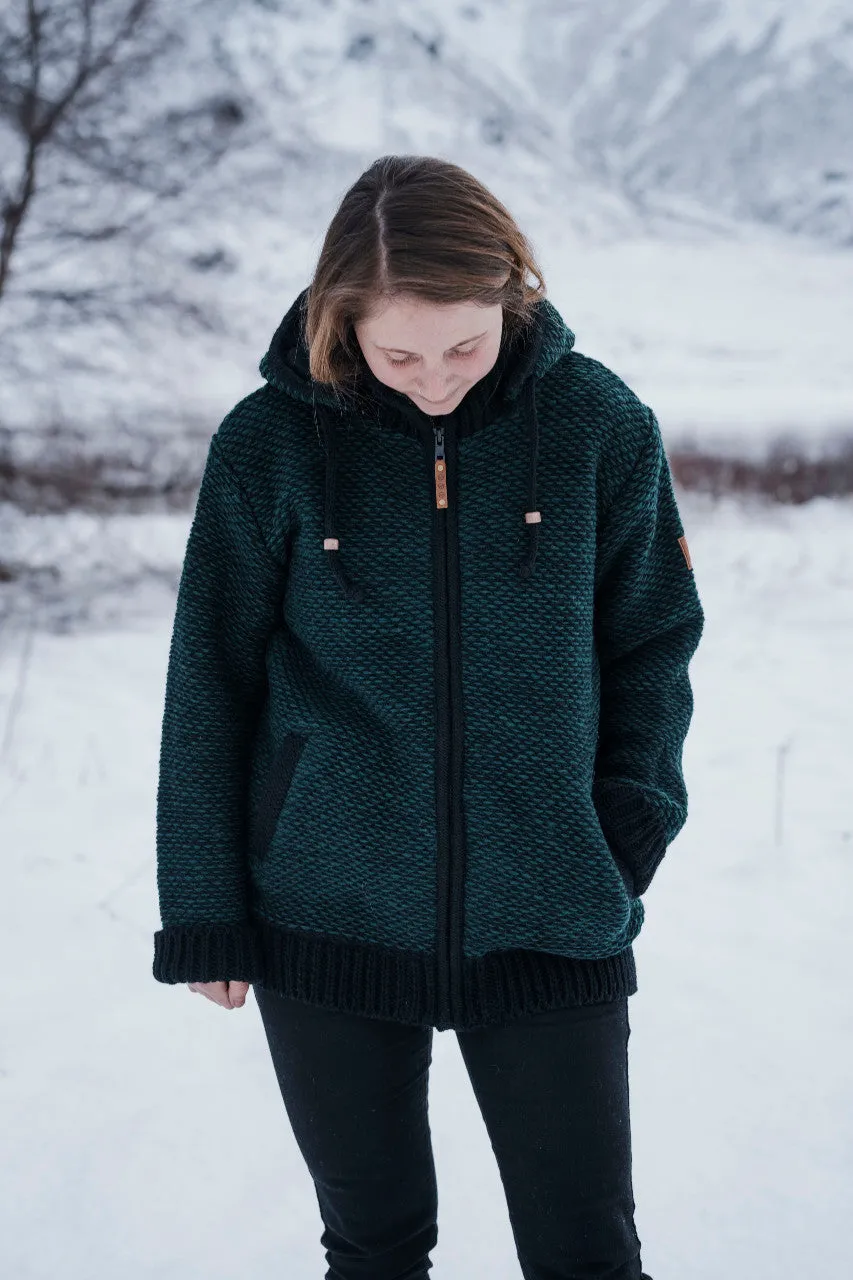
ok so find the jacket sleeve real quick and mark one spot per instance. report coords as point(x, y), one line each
point(228, 598)
point(648, 621)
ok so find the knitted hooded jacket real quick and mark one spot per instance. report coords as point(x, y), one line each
point(428, 774)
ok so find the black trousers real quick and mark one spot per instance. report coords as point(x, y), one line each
point(553, 1092)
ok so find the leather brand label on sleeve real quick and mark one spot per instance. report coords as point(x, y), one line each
point(682, 542)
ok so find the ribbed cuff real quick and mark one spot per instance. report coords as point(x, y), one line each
point(633, 826)
point(207, 953)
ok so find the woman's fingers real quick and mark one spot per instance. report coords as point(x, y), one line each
point(237, 992)
point(231, 995)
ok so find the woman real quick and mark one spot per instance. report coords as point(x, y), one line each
point(425, 707)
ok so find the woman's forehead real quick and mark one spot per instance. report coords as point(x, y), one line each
point(407, 325)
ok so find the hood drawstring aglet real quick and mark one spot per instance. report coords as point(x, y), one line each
point(532, 517)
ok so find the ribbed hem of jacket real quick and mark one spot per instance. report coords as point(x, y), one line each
point(383, 982)
point(208, 953)
point(634, 828)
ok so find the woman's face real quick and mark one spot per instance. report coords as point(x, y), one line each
point(431, 353)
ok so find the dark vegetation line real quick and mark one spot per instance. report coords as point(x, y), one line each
point(66, 478)
point(782, 476)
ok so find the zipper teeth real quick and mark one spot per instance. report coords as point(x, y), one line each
point(446, 941)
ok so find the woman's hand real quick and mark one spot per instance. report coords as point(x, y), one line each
point(231, 995)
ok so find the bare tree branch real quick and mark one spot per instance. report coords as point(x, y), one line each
point(72, 75)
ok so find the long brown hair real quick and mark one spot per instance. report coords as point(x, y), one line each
point(413, 226)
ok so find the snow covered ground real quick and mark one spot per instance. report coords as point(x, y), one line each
point(144, 1132)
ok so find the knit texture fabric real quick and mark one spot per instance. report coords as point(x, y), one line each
point(462, 766)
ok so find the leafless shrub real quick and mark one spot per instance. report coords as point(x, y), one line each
point(784, 475)
point(91, 153)
point(65, 469)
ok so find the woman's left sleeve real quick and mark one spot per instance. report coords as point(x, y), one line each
point(648, 620)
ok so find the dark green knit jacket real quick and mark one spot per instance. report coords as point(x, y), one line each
point(427, 773)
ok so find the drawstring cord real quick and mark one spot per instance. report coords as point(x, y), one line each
point(331, 542)
point(532, 517)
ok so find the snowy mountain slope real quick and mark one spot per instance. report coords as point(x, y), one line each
point(610, 130)
point(318, 91)
point(743, 105)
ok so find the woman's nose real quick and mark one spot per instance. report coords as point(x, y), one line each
point(433, 388)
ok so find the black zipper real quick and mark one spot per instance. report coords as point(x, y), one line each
point(450, 872)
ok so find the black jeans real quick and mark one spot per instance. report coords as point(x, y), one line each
point(553, 1092)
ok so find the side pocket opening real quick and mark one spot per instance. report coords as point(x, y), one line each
point(625, 872)
point(273, 792)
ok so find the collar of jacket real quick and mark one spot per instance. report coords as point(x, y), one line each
point(522, 361)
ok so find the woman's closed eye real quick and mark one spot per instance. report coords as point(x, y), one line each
point(408, 359)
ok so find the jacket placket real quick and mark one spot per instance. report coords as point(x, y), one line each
point(450, 870)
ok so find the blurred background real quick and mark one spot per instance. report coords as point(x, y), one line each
point(684, 170)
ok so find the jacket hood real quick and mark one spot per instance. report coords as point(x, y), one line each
point(524, 358)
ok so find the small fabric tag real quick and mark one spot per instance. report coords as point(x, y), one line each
point(682, 542)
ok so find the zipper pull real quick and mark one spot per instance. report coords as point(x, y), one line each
point(440, 468)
